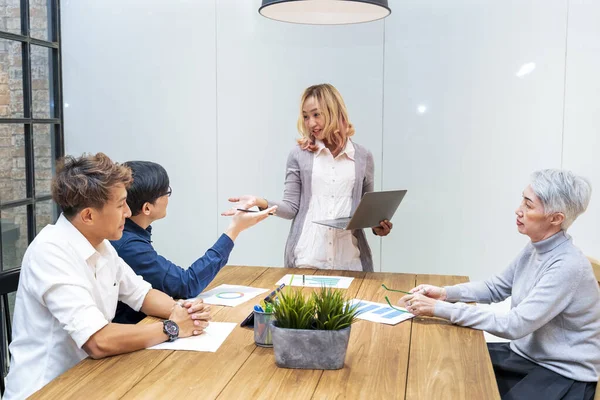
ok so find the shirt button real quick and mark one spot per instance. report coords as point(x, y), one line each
point(330, 243)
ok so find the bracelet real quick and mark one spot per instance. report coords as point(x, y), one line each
point(178, 303)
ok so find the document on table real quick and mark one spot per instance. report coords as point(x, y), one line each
point(229, 295)
point(381, 313)
point(338, 282)
point(212, 338)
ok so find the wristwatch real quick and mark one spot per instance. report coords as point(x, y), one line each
point(171, 329)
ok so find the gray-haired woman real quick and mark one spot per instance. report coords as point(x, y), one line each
point(554, 320)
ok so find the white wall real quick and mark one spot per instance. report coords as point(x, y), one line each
point(139, 81)
point(210, 90)
point(581, 150)
point(466, 159)
point(263, 67)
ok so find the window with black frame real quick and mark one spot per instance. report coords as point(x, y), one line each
point(31, 132)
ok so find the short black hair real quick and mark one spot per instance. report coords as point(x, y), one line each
point(150, 181)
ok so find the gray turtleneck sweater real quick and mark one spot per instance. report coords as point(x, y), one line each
point(554, 318)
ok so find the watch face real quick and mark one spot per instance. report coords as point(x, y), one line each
point(171, 328)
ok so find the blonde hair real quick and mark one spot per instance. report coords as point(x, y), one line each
point(337, 125)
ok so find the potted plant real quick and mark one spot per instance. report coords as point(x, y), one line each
point(312, 332)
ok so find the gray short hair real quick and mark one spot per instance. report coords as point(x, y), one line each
point(562, 191)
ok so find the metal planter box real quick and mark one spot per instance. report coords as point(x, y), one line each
point(309, 349)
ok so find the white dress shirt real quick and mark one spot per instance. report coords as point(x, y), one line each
point(68, 290)
point(332, 184)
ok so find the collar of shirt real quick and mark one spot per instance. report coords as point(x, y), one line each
point(94, 257)
point(348, 149)
point(134, 228)
point(81, 245)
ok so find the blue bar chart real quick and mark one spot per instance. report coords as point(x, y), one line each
point(381, 313)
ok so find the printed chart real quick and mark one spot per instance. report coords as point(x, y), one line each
point(230, 295)
point(338, 282)
point(381, 313)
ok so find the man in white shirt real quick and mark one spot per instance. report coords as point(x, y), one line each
point(71, 279)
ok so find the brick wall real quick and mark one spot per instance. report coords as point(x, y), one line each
point(12, 144)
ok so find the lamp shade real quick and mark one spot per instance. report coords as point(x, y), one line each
point(325, 12)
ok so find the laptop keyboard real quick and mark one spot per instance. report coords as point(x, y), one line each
point(339, 224)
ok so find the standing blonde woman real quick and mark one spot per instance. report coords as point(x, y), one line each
point(326, 176)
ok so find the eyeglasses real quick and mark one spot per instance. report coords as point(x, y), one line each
point(388, 300)
point(168, 192)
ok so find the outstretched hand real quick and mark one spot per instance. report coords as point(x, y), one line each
point(244, 202)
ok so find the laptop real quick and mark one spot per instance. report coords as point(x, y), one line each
point(373, 208)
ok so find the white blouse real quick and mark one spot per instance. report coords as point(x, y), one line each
point(332, 184)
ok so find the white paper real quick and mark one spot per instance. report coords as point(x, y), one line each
point(338, 282)
point(381, 313)
point(213, 337)
point(230, 295)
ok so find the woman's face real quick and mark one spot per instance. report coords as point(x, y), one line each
point(313, 118)
point(532, 220)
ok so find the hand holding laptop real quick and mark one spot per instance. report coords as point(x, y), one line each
point(383, 229)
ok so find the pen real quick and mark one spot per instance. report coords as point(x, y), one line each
point(270, 297)
point(251, 211)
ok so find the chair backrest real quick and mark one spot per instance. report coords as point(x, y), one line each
point(9, 282)
point(596, 267)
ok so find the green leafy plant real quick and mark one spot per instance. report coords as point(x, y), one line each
point(333, 312)
point(293, 310)
point(326, 309)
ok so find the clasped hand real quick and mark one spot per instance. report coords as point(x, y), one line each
point(192, 317)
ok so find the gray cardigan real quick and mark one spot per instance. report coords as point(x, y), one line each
point(298, 191)
point(554, 318)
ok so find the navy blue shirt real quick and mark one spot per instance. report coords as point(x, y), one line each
point(135, 247)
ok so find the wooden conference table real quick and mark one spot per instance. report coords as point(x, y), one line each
point(423, 358)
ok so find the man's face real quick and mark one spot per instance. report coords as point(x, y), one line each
point(110, 220)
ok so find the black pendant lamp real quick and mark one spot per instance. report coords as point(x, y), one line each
point(325, 12)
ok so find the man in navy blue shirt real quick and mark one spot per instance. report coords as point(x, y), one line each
point(148, 198)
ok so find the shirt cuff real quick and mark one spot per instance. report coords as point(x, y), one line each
point(452, 293)
point(443, 309)
point(140, 295)
point(83, 328)
point(224, 245)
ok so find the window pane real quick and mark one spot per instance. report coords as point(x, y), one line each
point(43, 156)
point(40, 14)
point(11, 79)
point(10, 16)
point(3, 352)
point(14, 236)
point(12, 163)
point(41, 78)
point(11, 306)
point(45, 214)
